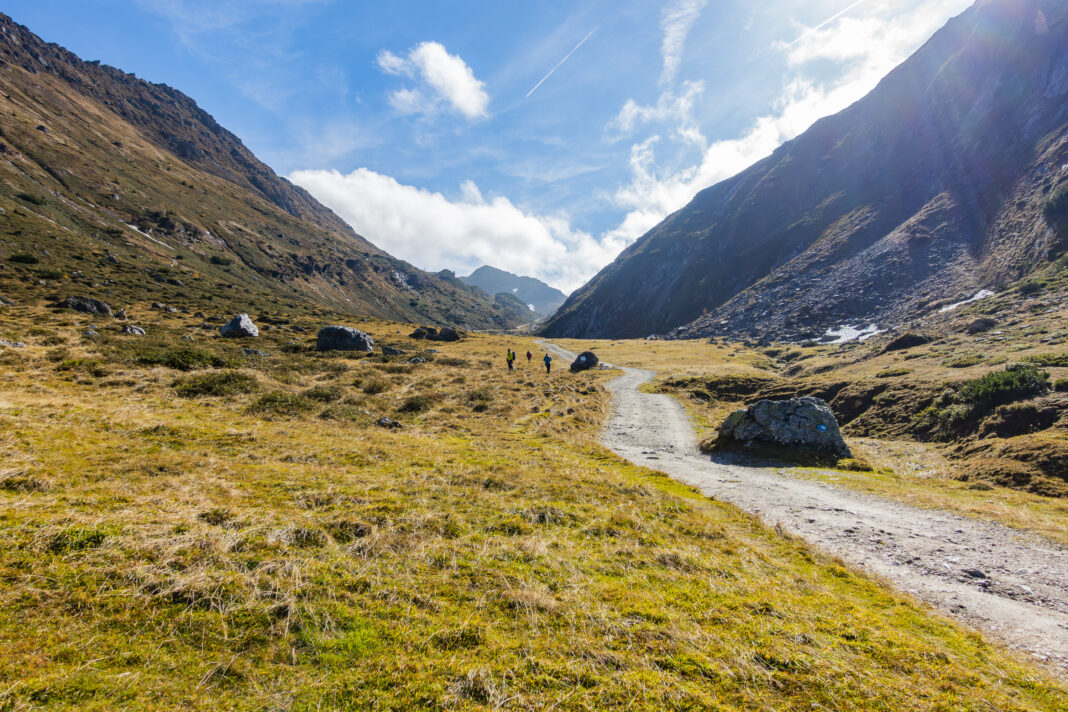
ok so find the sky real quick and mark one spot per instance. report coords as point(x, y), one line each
point(538, 137)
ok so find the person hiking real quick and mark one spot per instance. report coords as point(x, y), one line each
point(548, 362)
point(529, 356)
point(510, 358)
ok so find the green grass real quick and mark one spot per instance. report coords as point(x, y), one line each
point(223, 383)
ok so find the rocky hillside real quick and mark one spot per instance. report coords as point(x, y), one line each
point(949, 177)
point(127, 190)
point(539, 296)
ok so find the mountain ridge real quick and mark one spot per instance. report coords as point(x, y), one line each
point(139, 182)
point(544, 298)
point(931, 187)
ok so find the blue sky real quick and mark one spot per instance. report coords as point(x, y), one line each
point(417, 123)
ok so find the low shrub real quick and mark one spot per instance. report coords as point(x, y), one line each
point(1015, 383)
point(964, 360)
point(893, 372)
point(281, 403)
point(88, 366)
point(851, 464)
point(77, 539)
point(324, 394)
point(23, 259)
point(185, 358)
point(31, 198)
point(375, 386)
point(417, 404)
point(225, 383)
point(1061, 385)
point(1050, 360)
point(221, 261)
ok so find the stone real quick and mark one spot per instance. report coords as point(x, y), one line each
point(4, 301)
point(132, 330)
point(121, 314)
point(416, 360)
point(91, 334)
point(385, 422)
point(584, 362)
point(256, 352)
point(392, 351)
point(448, 333)
point(12, 344)
point(240, 327)
point(980, 325)
point(907, 340)
point(803, 423)
point(343, 338)
point(164, 308)
point(975, 573)
point(87, 305)
point(424, 332)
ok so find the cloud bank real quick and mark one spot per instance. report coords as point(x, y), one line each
point(434, 232)
point(441, 78)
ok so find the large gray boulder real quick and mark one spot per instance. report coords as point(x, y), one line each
point(240, 327)
point(584, 362)
point(803, 423)
point(87, 305)
point(343, 338)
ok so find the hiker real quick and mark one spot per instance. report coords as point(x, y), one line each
point(548, 362)
point(529, 356)
point(510, 358)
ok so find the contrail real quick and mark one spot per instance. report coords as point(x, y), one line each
point(566, 57)
point(825, 23)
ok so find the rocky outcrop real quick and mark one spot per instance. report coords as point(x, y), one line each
point(429, 333)
point(805, 424)
point(343, 338)
point(131, 330)
point(87, 305)
point(584, 362)
point(240, 327)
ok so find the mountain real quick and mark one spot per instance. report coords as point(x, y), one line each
point(127, 190)
point(533, 292)
point(947, 178)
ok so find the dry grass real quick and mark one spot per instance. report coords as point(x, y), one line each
point(186, 552)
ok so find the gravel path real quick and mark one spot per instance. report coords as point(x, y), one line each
point(1012, 585)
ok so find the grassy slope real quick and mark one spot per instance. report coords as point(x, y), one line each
point(159, 552)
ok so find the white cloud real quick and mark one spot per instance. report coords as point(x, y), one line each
point(865, 48)
point(446, 76)
point(434, 232)
point(676, 23)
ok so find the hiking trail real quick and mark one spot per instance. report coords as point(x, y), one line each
point(1011, 584)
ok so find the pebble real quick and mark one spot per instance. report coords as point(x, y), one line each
point(974, 573)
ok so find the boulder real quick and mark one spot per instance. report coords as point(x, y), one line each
point(343, 338)
point(415, 360)
point(164, 308)
point(132, 330)
point(447, 333)
point(803, 423)
point(391, 351)
point(585, 361)
point(980, 325)
point(424, 332)
point(240, 327)
point(87, 305)
point(907, 341)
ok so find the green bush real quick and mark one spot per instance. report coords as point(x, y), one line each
point(964, 360)
point(225, 383)
point(23, 258)
point(893, 372)
point(77, 539)
point(88, 366)
point(221, 261)
point(416, 404)
point(281, 403)
point(1015, 383)
point(1057, 202)
point(1061, 385)
point(324, 394)
point(375, 386)
point(1031, 286)
point(1049, 360)
point(186, 358)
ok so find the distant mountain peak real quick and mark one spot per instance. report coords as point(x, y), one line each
point(537, 295)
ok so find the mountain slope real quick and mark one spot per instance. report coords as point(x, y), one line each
point(544, 299)
point(129, 190)
point(934, 185)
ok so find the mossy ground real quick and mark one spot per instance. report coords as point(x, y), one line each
point(166, 551)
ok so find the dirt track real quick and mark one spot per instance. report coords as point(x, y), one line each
point(1012, 585)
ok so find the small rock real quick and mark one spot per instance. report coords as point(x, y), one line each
point(584, 362)
point(7, 302)
point(416, 360)
point(974, 573)
point(240, 327)
point(164, 308)
point(424, 332)
point(343, 338)
point(121, 314)
point(132, 330)
point(385, 422)
point(12, 344)
point(392, 351)
point(256, 352)
point(91, 334)
point(87, 305)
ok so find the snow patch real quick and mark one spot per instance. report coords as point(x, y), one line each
point(851, 333)
point(531, 308)
point(145, 234)
point(981, 294)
